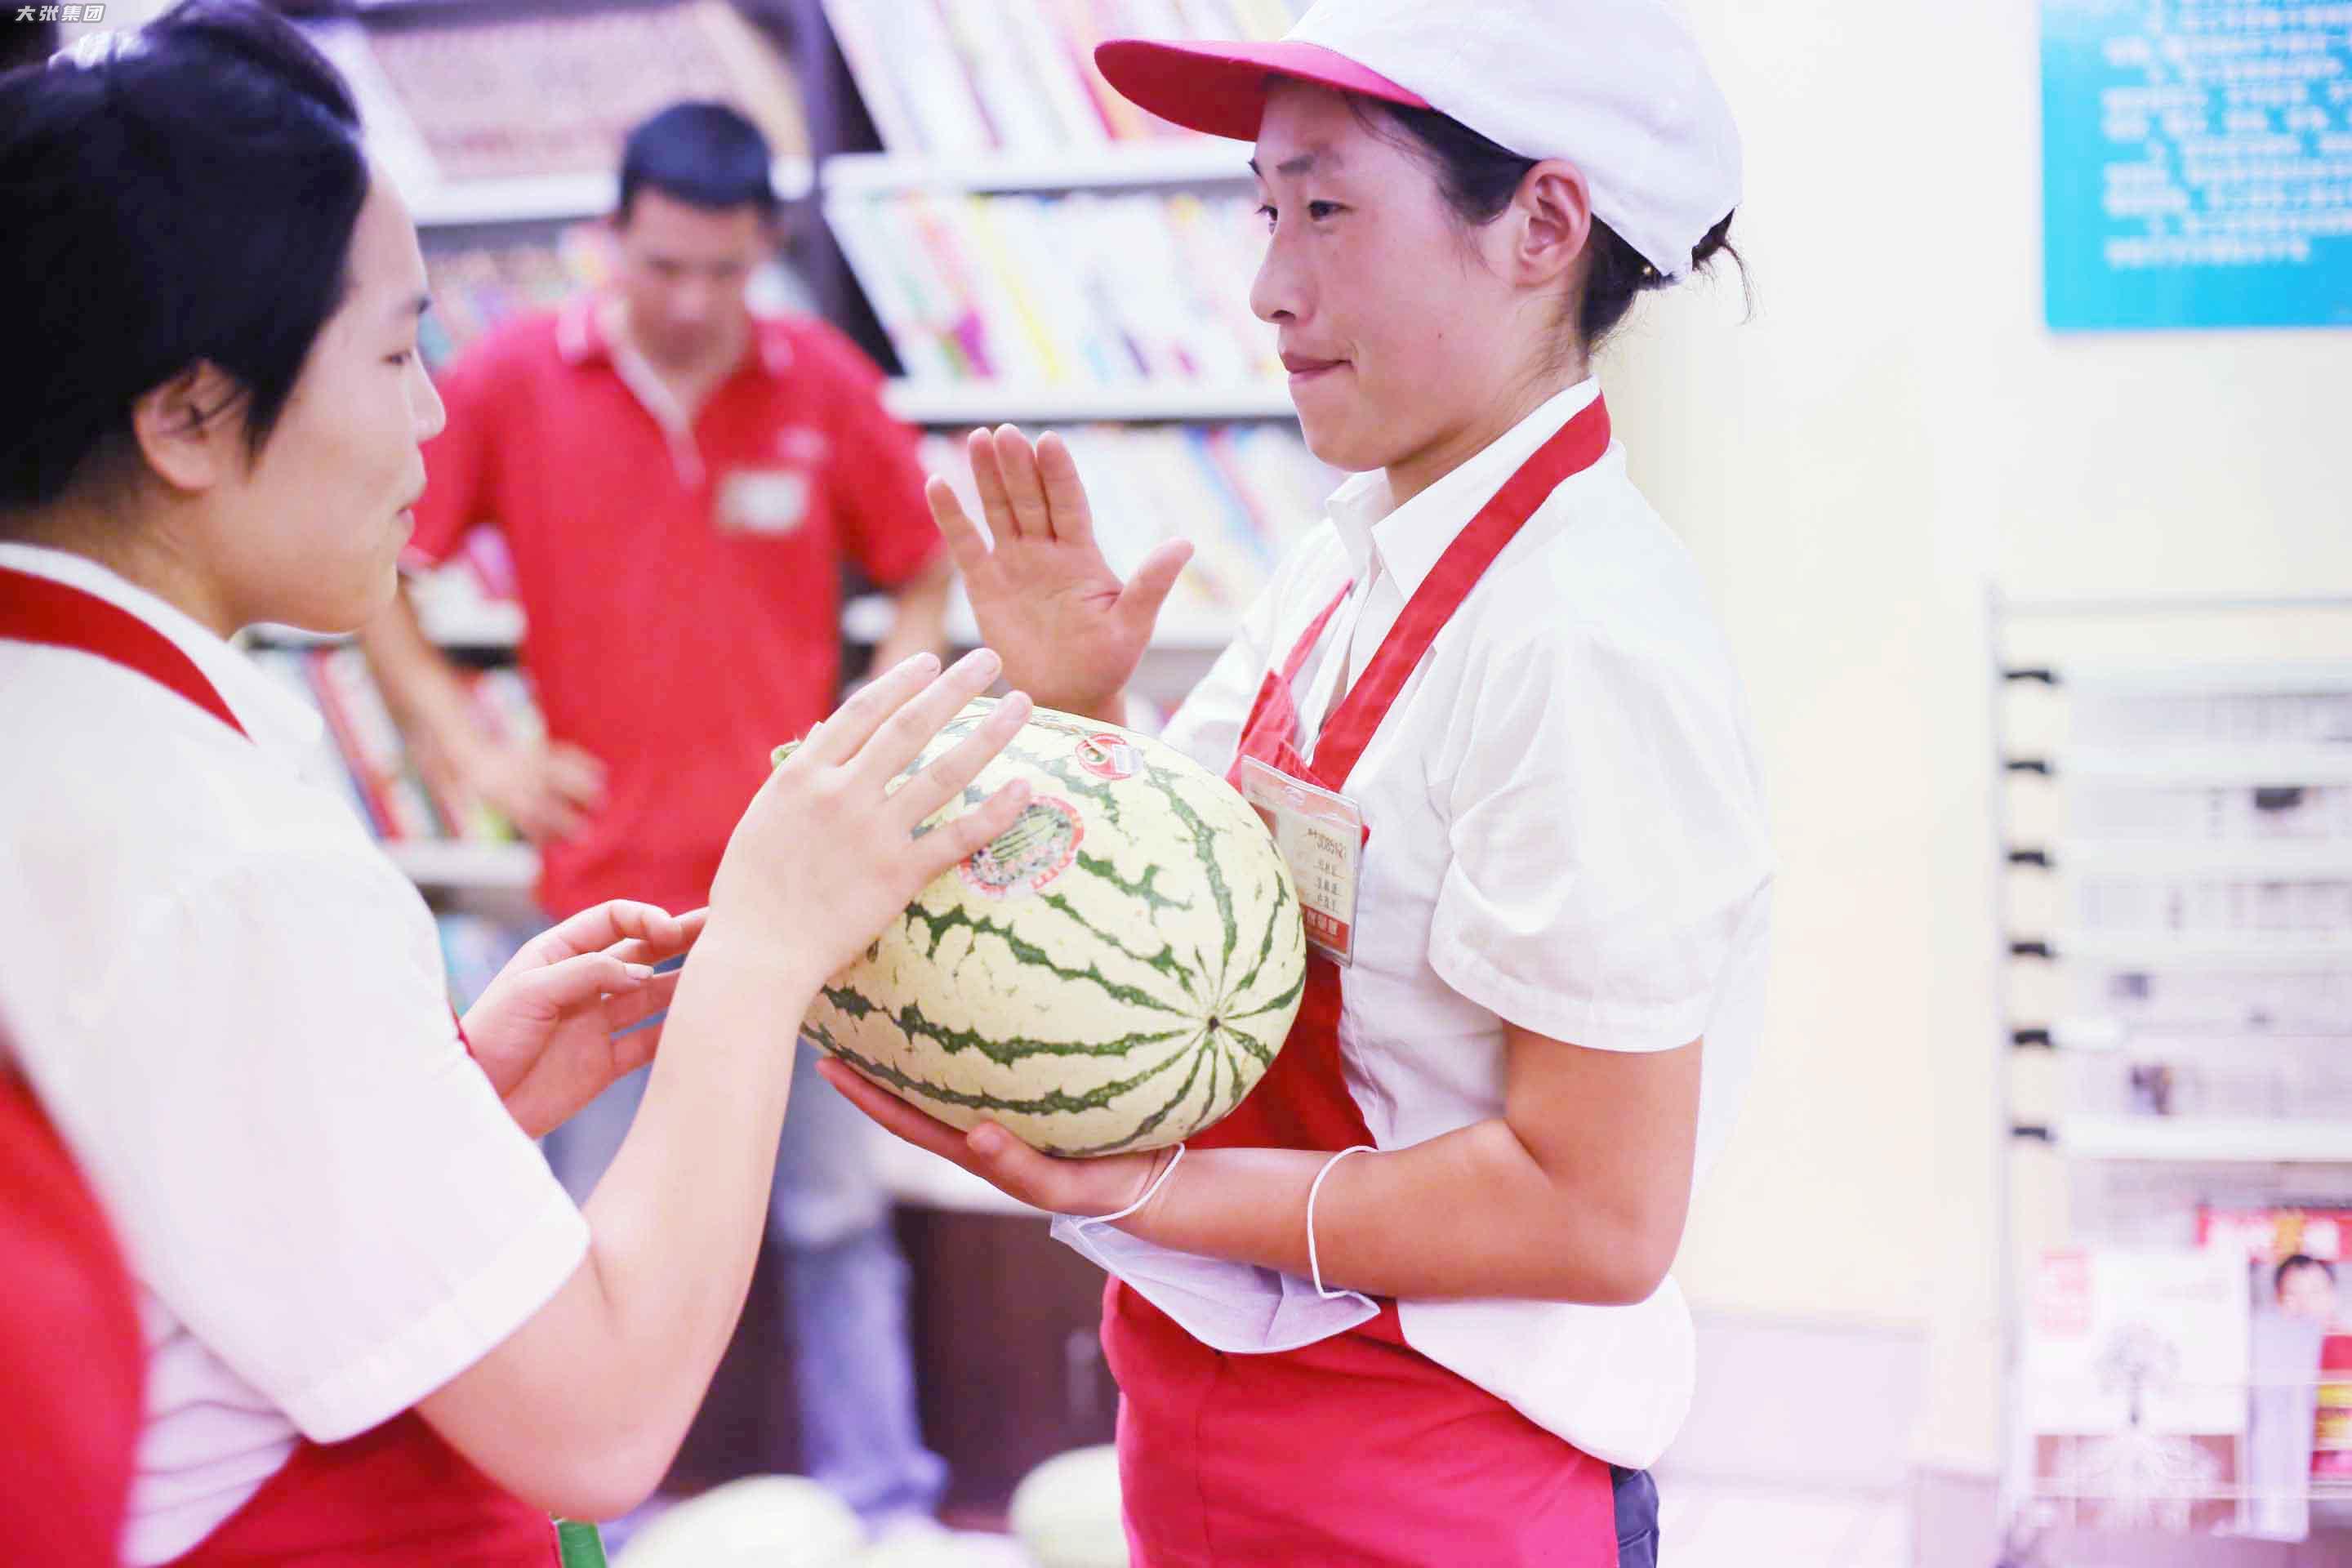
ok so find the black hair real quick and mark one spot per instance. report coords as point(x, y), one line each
point(181, 194)
point(2300, 1260)
point(22, 42)
point(706, 154)
point(1478, 178)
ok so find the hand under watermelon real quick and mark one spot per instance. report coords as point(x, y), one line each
point(1088, 1187)
point(1070, 632)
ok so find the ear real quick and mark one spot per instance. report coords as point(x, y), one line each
point(1555, 206)
point(190, 428)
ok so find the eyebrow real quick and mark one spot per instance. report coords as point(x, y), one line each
point(416, 305)
point(1292, 167)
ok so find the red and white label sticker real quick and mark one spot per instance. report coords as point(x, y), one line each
point(1027, 856)
point(1107, 756)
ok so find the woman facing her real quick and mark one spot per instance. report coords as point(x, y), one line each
point(1409, 1304)
point(376, 1330)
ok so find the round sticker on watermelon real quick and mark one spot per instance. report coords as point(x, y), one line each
point(1026, 857)
point(1113, 972)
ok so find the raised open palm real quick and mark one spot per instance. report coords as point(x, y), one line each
point(1069, 631)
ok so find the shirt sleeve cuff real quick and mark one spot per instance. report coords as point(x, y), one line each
point(1565, 1014)
point(473, 1320)
point(893, 574)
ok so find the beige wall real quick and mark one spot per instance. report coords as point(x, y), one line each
point(1893, 429)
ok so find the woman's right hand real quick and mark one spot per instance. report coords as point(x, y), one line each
point(826, 854)
point(1070, 631)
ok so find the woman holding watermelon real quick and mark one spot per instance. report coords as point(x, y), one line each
point(1409, 1303)
point(372, 1328)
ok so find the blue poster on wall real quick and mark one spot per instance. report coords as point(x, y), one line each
point(2197, 163)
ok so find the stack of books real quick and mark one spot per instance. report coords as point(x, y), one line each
point(1243, 494)
point(390, 794)
point(1108, 290)
point(951, 77)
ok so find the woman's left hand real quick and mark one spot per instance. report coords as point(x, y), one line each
point(1085, 1187)
point(544, 1030)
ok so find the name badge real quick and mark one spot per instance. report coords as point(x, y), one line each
point(762, 501)
point(1322, 836)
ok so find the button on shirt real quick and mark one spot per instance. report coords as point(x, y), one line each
point(1567, 834)
point(233, 1007)
point(680, 579)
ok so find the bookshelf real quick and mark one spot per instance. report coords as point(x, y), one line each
point(2205, 1139)
point(1017, 77)
point(2173, 830)
point(1046, 255)
point(1196, 162)
point(554, 198)
point(991, 402)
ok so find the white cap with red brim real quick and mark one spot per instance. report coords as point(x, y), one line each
point(1616, 86)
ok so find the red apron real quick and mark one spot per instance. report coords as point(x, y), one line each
point(1357, 1450)
point(70, 1353)
point(396, 1496)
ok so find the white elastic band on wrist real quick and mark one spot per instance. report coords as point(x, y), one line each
point(1150, 1192)
point(1314, 1264)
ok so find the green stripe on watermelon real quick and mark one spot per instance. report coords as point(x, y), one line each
point(912, 1025)
point(1165, 961)
point(1055, 1103)
point(1029, 955)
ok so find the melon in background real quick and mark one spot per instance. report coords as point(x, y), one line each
point(1065, 1512)
point(760, 1522)
point(1113, 972)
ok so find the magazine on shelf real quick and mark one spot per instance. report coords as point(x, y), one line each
point(947, 78)
point(1110, 290)
point(2292, 1259)
point(2135, 1365)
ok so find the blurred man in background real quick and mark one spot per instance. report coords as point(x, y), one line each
point(680, 483)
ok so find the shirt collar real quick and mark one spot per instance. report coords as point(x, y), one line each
point(275, 718)
point(1407, 539)
point(583, 338)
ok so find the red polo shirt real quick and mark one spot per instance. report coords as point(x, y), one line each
point(680, 582)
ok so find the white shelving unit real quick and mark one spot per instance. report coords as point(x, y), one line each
point(1135, 165)
point(2198, 880)
point(2211, 764)
point(959, 404)
point(459, 866)
point(2271, 860)
point(2239, 954)
point(2203, 1140)
point(552, 199)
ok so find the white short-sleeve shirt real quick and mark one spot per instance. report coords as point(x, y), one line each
point(1567, 834)
point(234, 1008)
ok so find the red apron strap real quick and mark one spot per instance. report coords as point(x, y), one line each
point(1313, 634)
point(1274, 717)
point(43, 610)
point(1579, 445)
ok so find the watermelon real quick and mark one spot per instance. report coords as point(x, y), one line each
point(1113, 972)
